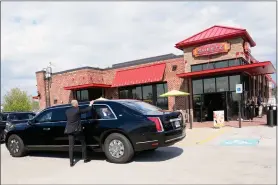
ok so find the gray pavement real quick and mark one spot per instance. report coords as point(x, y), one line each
point(199, 159)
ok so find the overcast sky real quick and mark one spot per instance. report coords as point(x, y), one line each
point(99, 34)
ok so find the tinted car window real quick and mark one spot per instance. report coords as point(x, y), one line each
point(4, 117)
point(44, 116)
point(21, 116)
point(59, 115)
point(103, 112)
point(141, 106)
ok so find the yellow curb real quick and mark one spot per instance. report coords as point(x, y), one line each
point(213, 136)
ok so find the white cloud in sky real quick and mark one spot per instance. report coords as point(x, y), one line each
point(75, 34)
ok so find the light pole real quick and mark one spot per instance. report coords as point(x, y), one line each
point(48, 80)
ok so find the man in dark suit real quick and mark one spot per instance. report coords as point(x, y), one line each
point(74, 129)
point(106, 114)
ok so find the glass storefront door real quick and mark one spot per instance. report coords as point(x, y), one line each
point(216, 93)
point(213, 102)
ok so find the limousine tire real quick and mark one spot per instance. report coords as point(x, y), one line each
point(118, 148)
point(16, 146)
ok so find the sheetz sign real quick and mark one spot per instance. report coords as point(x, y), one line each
point(211, 49)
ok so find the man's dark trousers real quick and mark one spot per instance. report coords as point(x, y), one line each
point(75, 131)
point(77, 136)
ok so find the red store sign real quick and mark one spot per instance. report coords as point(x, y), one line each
point(211, 49)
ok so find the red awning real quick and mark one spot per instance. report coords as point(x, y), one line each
point(86, 86)
point(140, 75)
point(259, 68)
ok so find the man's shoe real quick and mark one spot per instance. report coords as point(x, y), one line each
point(71, 163)
point(86, 160)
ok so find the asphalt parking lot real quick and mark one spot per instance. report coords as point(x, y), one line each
point(207, 156)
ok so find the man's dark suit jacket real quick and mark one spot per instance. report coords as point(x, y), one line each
point(74, 119)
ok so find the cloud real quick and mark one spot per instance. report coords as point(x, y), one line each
point(75, 34)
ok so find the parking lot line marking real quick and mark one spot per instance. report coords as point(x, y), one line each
point(213, 136)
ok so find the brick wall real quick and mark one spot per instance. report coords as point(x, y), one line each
point(87, 76)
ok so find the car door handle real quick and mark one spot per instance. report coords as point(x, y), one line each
point(46, 128)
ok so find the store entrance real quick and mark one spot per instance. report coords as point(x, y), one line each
point(214, 102)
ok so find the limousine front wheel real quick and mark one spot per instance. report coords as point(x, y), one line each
point(16, 146)
point(118, 148)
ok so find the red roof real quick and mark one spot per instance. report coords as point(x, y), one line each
point(140, 75)
point(215, 33)
point(86, 86)
point(259, 68)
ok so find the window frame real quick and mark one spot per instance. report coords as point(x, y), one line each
point(213, 64)
point(197, 65)
point(216, 84)
point(46, 111)
point(41, 115)
point(78, 95)
point(154, 98)
point(211, 78)
point(202, 80)
point(111, 110)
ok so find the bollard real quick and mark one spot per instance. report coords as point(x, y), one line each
point(239, 114)
point(270, 118)
point(275, 115)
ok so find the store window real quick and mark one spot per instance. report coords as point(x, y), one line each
point(197, 86)
point(137, 93)
point(197, 104)
point(234, 62)
point(161, 102)
point(123, 94)
point(233, 99)
point(233, 81)
point(197, 67)
point(82, 95)
point(221, 64)
point(148, 94)
point(208, 66)
point(209, 85)
point(222, 84)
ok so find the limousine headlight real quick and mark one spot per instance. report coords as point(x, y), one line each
point(9, 126)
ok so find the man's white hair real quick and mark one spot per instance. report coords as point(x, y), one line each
point(74, 103)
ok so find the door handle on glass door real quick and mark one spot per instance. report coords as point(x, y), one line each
point(46, 128)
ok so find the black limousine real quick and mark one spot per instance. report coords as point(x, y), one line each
point(119, 128)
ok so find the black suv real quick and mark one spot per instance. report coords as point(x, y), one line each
point(13, 118)
point(117, 127)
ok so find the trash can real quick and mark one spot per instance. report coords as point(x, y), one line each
point(270, 117)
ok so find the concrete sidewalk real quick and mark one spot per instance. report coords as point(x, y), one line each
point(209, 124)
point(199, 136)
point(198, 159)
